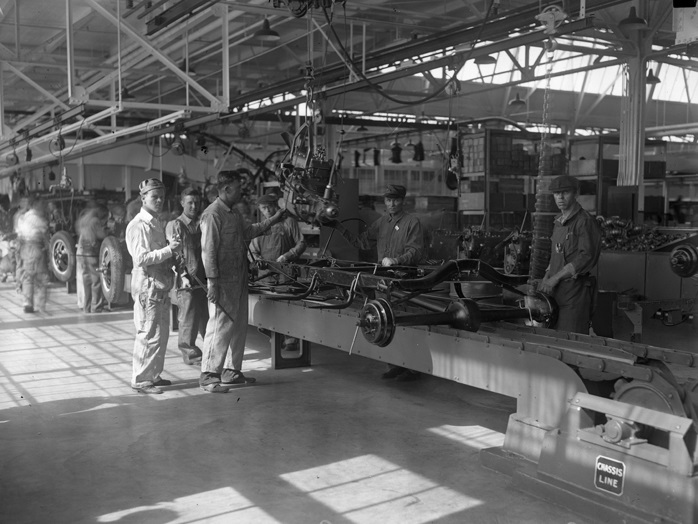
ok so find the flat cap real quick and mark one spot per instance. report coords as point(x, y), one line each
point(269, 198)
point(149, 184)
point(564, 183)
point(395, 191)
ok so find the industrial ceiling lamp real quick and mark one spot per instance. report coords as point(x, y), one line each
point(361, 129)
point(485, 60)
point(633, 22)
point(125, 95)
point(652, 79)
point(517, 102)
point(266, 33)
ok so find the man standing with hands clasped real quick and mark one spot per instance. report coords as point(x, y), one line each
point(151, 280)
point(191, 296)
point(224, 238)
point(576, 246)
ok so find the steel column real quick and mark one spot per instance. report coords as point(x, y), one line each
point(69, 48)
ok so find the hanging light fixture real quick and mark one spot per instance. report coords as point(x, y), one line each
point(266, 33)
point(652, 79)
point(485, 60)
point(361, 129)
point(633, 22)
point(517, 102)
point(125, 95)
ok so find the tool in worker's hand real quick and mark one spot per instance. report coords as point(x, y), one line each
point(198, 281)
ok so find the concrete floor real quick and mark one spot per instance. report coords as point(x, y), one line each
point(331, 443)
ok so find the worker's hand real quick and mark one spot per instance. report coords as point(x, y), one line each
point(282, 258)
point(176, 244)
point(547, 285)
point(388, 262)
point(213, 291)
point(186, 283)
point(279, 216)
point(533, 287)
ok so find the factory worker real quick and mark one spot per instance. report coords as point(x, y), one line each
point(224, 238)
point(33, 236)
point(191, 277)
point(91, 228)
point(575, 250)
point(400, 241)
point(151, 280)
point(283, 242)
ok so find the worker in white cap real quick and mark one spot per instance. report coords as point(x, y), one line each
point(151, 280)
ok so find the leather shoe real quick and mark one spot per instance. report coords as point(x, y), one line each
point(148, 390)
point(393, 372)
point(162, 382)
point(229, 378)
point(214, 388)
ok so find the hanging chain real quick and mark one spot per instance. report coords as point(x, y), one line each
point(550, 45)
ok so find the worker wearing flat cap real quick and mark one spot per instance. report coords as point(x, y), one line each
point(283, 242)
point(191, 293)
point(152, 279)
point(399, 235)
point(575, 250)
point(400, 241)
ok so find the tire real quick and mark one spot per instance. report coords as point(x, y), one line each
point(62, 256)
point(113, 270)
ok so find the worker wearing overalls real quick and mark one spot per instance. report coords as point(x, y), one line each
point(191, 296)
point(151, 280)
point(400, 242)
point(283, 242)
point(224, 238)
point(575, 250)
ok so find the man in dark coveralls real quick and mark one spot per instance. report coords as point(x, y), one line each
point(400, 240)
point(575, 250)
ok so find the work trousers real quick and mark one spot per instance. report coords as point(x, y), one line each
point(224, 345)
point(34, 276)
point(574, 298)
point(192, 318)
point(93, 298)
point(151, 315)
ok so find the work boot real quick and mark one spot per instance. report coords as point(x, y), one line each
point(231, 377)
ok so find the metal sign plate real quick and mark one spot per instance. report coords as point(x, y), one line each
point(609, 475)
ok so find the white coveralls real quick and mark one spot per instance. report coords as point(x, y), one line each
point(151, 280)
point(224, 238)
